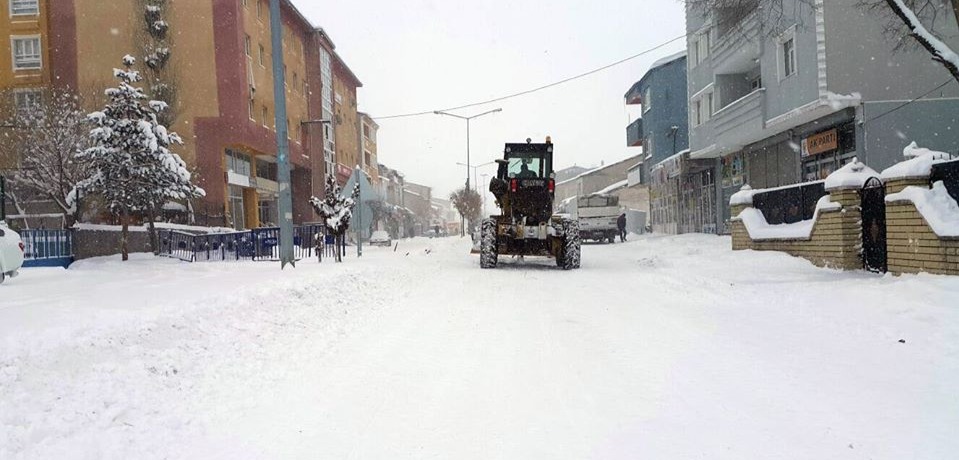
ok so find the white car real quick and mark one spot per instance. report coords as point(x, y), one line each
point(380, 238)
point(11, 252)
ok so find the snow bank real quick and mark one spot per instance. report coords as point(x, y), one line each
point(919, 163)
point(759, 229)
point(852, 175)
point(937, 207)
point(159, 225)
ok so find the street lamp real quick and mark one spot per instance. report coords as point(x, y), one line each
point(474, 168)
point(440, 112)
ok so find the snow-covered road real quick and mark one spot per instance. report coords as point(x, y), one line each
point(666, 347)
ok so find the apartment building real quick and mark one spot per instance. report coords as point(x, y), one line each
point(780, 99)
point(221, 61)
point(681, 190)
point(368, 129)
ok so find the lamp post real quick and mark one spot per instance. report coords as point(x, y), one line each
point(439, 112)
point(282, 139)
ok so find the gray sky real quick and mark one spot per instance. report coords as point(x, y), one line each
point(420, 55)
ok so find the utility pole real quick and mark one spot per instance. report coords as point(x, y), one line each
point(438, 112)
point(285, 204)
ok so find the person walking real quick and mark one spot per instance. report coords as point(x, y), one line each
point(621, 224)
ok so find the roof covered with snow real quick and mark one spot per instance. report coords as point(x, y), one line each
point(613, 188)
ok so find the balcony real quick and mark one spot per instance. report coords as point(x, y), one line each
point(737, 49)
point(634, 133)
point(740, 122)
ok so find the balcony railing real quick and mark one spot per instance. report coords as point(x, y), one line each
point(740, 122)
point(634, 133)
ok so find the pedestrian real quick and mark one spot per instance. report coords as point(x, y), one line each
point(621, 224)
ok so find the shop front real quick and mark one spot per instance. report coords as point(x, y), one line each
point(683, 195)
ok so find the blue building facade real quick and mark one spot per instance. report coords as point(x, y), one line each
point(681, 192)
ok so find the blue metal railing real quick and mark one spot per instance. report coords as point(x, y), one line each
point(47, 248)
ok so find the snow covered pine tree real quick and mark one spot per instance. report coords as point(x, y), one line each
point(336, 211)
point(133, 168)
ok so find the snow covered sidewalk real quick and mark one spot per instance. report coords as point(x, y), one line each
point(665, 347)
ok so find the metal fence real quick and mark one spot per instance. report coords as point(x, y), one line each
point(790, 204)
point(261, 244)
point(948, 173)
point(47, 248)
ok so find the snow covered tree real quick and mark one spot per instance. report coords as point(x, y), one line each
point(921, 21)
point(468, 204)
point(133, 169)
point(47, 135)
point(157, 47)
point(336, 211)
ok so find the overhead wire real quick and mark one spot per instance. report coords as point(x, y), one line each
point(538, 88)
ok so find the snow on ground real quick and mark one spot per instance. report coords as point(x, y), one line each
point(664, 347)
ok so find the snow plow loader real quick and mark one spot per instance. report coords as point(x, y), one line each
point(524, 188)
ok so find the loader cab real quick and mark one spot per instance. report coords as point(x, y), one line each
point(526, 161)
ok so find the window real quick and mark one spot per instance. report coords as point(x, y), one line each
point(246, 3)
point(252, 110)
point(787, 53)
point(262, 56)
point(697, 112)
point(647, 99)
point(756, 83)
point(248, 46)
point(265, 114)
point(710, 105)
point(296, 82)
point(24, 7)
point(26, 53)
point(703, 43)
point(259, 9)
point(693, 53)
point(239, 163)
point(27, 99)
point(648, 147)
point(789, 57)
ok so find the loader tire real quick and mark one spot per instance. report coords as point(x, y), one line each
point(488, 248)
point(571, 245)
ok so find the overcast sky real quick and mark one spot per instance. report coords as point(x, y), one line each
point(419, 55)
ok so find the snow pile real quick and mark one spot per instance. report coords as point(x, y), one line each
point(159, 225)
point(743, 197)
point(759, 229)
point(919, 163)
point(937, 207)
point(852, 175)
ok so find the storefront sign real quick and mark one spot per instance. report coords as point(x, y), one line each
point(821, 143)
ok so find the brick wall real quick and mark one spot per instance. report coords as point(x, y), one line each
point(834, 241)
point(912, 246)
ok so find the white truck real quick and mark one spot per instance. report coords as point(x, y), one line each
point(597, 214)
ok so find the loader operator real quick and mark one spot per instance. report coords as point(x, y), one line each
point(525, 173)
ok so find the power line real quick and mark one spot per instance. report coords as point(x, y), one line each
point(909, 102)
point(539, 88)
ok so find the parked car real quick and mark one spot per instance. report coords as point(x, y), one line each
point(11, 252)
point(380, 238)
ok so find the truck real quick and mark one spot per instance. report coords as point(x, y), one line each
point(597, 214)
point(524, 187)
